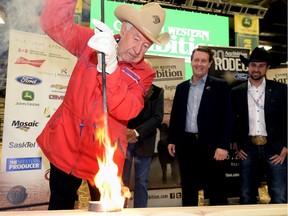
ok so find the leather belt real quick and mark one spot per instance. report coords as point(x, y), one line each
point(258, 140)
point(193, 134)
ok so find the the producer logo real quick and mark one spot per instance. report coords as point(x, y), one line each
point(21, 164)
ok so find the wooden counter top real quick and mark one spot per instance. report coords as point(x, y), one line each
point(230, 210)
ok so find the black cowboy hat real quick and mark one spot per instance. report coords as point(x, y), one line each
point(257, 55)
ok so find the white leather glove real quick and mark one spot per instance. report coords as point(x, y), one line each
point(103, 42)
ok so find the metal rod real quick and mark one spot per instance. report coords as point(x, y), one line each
point(104, 95)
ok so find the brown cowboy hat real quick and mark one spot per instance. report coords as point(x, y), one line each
point(257, 55)
point(149, 20)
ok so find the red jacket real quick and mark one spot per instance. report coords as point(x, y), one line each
point(68, 139)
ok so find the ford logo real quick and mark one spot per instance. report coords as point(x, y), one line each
point(241, 76)
point(28, 80)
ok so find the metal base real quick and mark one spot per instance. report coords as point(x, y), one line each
point(96, 206)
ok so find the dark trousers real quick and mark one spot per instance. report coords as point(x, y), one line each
point(141, 168)
point(276, 175)
point(63, 189)
point(199, 171)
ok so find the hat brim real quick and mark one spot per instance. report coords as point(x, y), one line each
point(130, 14)
point(244, 60)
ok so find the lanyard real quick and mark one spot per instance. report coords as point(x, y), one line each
point(257, 101)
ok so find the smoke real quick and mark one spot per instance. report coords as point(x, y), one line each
point(22, 15)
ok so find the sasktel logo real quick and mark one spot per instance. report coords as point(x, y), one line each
point(28, 80)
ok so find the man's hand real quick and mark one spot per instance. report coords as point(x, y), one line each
point(103, 42)
point(240, 153)
point(171, 149)
point(131, 136)
point(279, 159)
point(220, 154)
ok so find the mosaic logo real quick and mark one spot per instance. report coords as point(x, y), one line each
point(25, 126)
point(22, 164)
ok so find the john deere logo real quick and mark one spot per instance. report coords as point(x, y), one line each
point(247, 22)
point(28, 95)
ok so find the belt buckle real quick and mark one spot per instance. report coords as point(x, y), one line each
point(259, 140)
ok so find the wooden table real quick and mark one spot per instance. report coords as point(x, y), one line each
point(230, 210)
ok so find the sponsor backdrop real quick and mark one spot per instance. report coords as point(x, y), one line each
point(38, 73)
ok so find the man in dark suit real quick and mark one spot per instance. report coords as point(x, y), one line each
point(141, 137)
point(260, 130)
point(200, 130)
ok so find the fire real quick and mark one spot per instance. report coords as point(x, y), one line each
point(107, 180)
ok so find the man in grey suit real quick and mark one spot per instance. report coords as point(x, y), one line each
point(141, 137)
point(260, 130)
point(200, 130)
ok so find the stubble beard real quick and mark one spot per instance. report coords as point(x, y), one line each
point(256, 76)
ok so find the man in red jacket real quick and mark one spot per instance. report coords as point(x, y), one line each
point(68, 140)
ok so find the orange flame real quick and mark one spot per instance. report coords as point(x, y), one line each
point(107, 180)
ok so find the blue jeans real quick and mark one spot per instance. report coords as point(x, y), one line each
point(142, 167)
point(276, 176)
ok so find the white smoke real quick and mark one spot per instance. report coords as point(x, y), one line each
point(22, 15)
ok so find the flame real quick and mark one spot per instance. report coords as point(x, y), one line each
point(107, 180)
